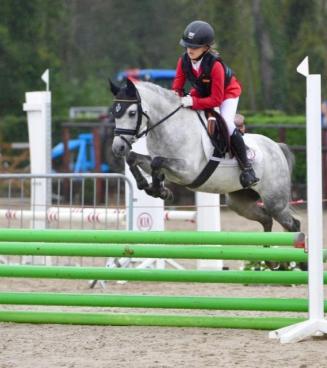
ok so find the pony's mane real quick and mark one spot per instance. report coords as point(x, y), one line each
point(164, 92)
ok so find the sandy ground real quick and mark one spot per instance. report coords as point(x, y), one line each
point(31, 346)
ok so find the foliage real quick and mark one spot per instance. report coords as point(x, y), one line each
point(14, 129)
point(29, 41)
point(83, 43)
point(271, 266)
point(269, 123)
point(276, 119)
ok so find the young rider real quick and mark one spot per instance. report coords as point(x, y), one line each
point(214, 85)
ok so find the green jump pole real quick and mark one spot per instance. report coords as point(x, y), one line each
point(154, 251)
point(103, 273)
point(117, 319)
point(155, 301)
point(153, 237)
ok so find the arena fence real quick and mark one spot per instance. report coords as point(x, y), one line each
point(73, 201)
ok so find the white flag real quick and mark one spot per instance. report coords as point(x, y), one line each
point(45, 78)
point(303, 68)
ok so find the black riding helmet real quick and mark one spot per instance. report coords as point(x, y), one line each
point(198, 34)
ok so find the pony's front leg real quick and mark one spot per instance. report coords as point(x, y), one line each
point(154, 167)
point(133, 160)
point(158, 188)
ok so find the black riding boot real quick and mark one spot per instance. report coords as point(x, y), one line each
point(247, 177)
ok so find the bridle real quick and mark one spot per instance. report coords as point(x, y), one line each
point(140, 113)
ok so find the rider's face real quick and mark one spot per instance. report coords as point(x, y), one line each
point(196, 53)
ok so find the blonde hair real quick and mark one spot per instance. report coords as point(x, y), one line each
point(213, 50)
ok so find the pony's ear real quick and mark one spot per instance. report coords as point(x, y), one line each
point(113, 88)
point(131, 89)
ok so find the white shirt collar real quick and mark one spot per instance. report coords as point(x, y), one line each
point(196, 65)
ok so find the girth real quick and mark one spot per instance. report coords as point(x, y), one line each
point(205, 174)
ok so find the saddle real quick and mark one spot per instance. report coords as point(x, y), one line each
point(218, 132)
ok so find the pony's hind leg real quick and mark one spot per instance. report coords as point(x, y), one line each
point(278, 207)
point(244, 202)
point(285, 218)
point(281, 212)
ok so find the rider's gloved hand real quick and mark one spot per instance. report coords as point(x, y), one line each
point(187, 101)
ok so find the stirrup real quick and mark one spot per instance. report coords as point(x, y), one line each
point(248, 178)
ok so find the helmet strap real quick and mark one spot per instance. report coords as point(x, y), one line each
point(201, 56)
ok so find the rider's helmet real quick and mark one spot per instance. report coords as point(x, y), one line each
point(198, 34)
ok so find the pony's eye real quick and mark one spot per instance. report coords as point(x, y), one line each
point(131, 114)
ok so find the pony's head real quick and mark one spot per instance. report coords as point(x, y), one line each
point(128, 114)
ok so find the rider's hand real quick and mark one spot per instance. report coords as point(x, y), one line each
point(187, 101)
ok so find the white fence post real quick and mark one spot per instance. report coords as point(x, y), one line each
point(208, 219)
point(316, 325)
point(38, 108)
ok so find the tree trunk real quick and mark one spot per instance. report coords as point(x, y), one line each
point(265, 51)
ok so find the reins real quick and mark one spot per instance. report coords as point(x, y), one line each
point(146, 131)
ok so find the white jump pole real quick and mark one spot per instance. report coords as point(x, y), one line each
point(316, 325)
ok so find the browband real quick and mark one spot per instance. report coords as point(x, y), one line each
point(120, 100)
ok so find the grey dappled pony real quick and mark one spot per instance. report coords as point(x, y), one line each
point(178, 151)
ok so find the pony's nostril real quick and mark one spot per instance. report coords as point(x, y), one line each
point(121, 148)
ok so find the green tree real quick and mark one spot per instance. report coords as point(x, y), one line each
point(83, 42)
point(28, 45)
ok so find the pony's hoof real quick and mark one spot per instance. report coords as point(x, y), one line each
point(167, 195)
point(142, 185)
point(149, 191)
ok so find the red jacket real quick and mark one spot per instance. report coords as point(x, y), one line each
point(218, 92)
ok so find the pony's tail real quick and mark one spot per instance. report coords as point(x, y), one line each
point(289, 155)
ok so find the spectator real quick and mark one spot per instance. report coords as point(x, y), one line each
point(324, 114)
